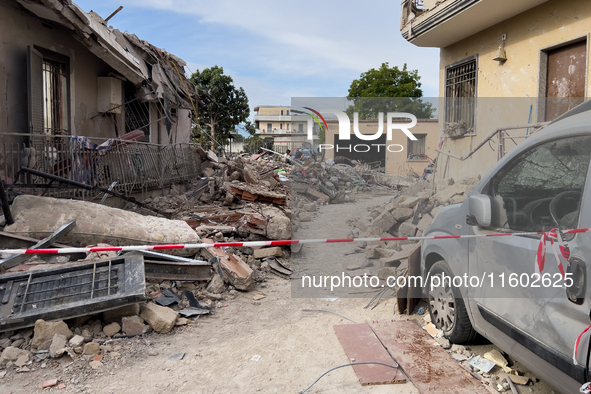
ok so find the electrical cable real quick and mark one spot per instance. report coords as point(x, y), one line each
point(347, 365)
point(334, 313)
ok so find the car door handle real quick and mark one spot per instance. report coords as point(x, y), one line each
point(577, 271)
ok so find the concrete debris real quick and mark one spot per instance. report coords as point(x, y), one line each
point(91, 349)
point(76, 341)
point(216, 284)
point(45, 331)
point(58, 346)
point(115, 315)
point(12, 353)
point(409, 214)
point(231, 267)
point(111, 329)
point(274, 251)
point(160, 318)
point(134, 325)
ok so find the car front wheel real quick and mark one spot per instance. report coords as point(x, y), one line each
point(447, 308)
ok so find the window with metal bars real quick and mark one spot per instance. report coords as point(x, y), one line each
point(55, 106)
point(416, 149)
point(460, 94)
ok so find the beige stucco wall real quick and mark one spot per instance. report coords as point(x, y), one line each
point(272, 110)
point(396, 162)
point(547, 25)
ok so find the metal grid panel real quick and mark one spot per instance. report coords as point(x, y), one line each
point(69, 291)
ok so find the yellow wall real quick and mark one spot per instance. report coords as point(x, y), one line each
point(396, 163)
point(541, 28)
point(273, 110)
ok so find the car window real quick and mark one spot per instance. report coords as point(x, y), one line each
point(542, 188)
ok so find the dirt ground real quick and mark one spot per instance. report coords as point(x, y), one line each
point(295, 346)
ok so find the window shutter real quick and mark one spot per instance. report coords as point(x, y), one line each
point(35, 90)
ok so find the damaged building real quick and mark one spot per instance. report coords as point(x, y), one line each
point(89, 103)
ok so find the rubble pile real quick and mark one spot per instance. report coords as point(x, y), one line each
point(407, 215)
point(492, 368)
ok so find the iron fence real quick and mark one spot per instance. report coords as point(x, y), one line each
point(135, 166)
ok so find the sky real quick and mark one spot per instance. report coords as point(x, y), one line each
point(278, 50)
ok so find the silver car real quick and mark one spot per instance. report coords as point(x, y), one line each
point(534, 315)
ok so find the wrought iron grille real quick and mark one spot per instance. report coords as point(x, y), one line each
point(460, 93)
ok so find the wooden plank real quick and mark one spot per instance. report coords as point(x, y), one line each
point(408, 297)
point(428, 366)
point(361, 344)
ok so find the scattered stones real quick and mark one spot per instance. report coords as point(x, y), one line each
point(444, 342)
point(305, 217)
point(216, 284)
point(4, 343)
point(160, 318)
point(44, 331)
point(22, 360)
point(91, 349)
point(134, 325)
point(11, 354)
point(111, 329)
point(87, 335)
point(76, 341)
point(407, 230)
point(58, 346)
point(95, 364)
point(402, 214)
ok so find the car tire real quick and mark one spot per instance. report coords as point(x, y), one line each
point(447, 308)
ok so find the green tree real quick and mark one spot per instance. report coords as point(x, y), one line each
point(388, 89)
point(224, 106)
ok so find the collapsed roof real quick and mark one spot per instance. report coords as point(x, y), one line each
point(156, 73)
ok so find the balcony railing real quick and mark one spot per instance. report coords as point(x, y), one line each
point(135, 166)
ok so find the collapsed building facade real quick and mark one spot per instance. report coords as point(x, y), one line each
point(89, 103)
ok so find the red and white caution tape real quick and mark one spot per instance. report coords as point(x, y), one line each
point(555, 239)
point(554, 236)
point(545, 236)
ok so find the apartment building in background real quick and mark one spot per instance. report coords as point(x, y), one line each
point(289, 131)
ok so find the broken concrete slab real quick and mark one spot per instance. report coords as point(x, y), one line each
point(407, 230)
point(409, 201)
point(278, 225)
point(274, 251)
point(230, 267)
point(384, 221)
point(425, 221)
point(160, 318)
point(95, 223)
point(401, 214)
point(216, 285)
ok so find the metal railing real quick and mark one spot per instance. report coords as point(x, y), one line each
point(135, 166)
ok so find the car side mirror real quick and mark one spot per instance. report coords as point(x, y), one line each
point(479, 210)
